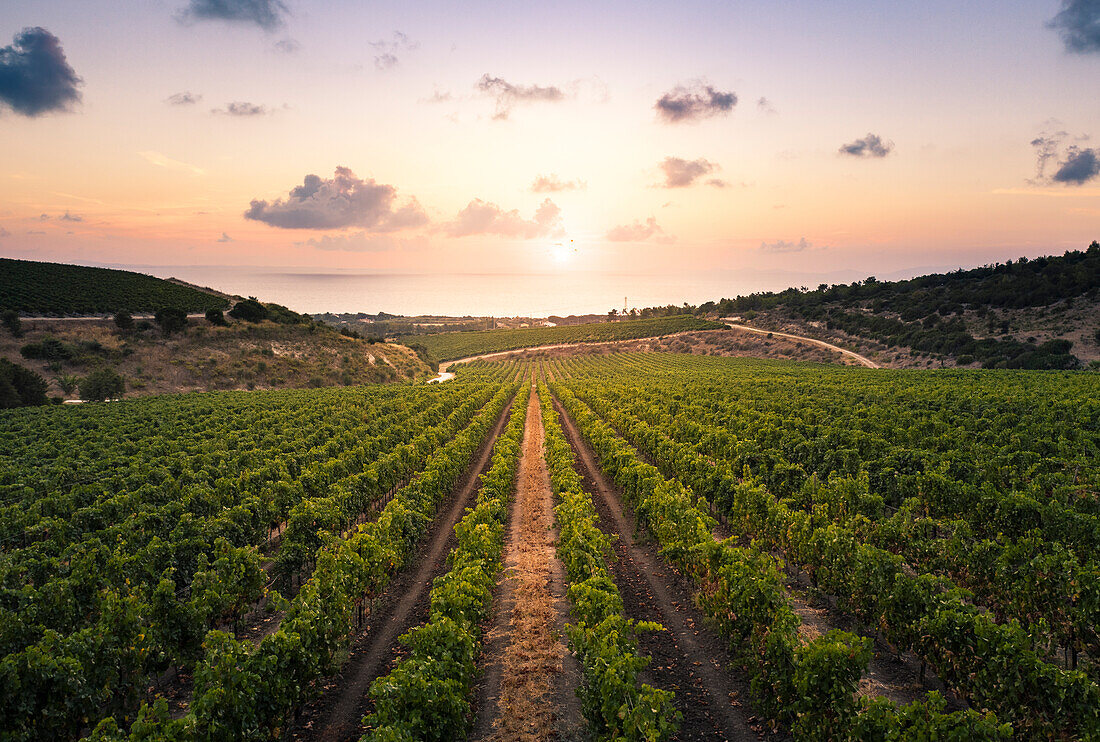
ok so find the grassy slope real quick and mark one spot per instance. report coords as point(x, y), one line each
point(55, 289)
point(205, 358)
point(452, 345)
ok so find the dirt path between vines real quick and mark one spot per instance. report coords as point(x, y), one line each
point(526, 692)
point(689, 657)
point(337, 713)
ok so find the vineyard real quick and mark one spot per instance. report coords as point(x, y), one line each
point(448, 346)
point(642, 546)
point(57, 290)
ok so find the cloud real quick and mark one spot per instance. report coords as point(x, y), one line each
point(385, 62)
point(553, 184)
point(438, 97)
point(766, 106)
point(287, 46)
point(388, 59)
point(225, 238)
point(340, 202)
point(4, 233)
point(267, 14)
point(784, 246)
point(68, 216)
point(1078, 23)
point(680, 173)
point(242, 109)
point(639, 232)
point(507, 95)
point(156, 158)
point(1079, 167)
point(871, 145)
point(693, 103)
point(186, 98)
point(35, 77)
point(482, 217)
point(1046, 149)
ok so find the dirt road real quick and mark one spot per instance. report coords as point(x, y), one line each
point(820, 343)
point(529, 676)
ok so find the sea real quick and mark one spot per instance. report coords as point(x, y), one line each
point(477, 294)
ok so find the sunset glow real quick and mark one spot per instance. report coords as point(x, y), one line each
point(691, 137)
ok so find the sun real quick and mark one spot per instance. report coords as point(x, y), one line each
point(561, 252)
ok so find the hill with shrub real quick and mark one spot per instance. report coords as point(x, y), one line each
point(32, 288)
point(1042, 313)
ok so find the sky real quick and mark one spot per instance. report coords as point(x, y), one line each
point(491, 137)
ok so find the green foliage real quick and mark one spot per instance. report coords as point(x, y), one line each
point(49, 349)
point(249, 310)
point(125, 321)
point(102, 384)
point(613, 702)
point(215, 317)
point(11, 321)
point(56, 289)
point(137, 533)
point(426, 696)
point(171, 319)
point(990, 492)
point(451, 345)
point(20, 387)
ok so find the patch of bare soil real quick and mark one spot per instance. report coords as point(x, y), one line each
point(343, 702)
point(523, 695)
point(688, 657)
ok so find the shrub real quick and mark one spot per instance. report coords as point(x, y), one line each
point(965, 360)
point(171, 319)
point(48, 349)
point(124, 320)
point(11, 320)
point(106, 383)
point(19, 386)
point(215, 317)
point(250, 310)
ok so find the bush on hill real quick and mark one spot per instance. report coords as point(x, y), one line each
point(20, 387)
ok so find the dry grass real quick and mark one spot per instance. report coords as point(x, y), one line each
point(207, 358)
point(533, 659)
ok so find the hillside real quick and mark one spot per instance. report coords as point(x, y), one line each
point(1032, 314)
point(449, 346)
point(57, 290)
point(239, 356)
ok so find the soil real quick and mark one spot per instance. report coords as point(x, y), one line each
point(524, 656)
point(689, 657)
point(337, 714)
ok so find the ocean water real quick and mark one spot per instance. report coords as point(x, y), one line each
point(497, 295)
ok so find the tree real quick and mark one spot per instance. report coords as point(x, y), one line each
point(20, 387)
point(171, 319)
point(68, 383)
point(124, 320)
point(612, 315)
point(13, 323)
point(250, 310)
point(106, 383)
point(215, 317)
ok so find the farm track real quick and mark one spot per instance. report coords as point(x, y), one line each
point(863, 360)
point(526, 692)
point(689, 657)
point(338, 712)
